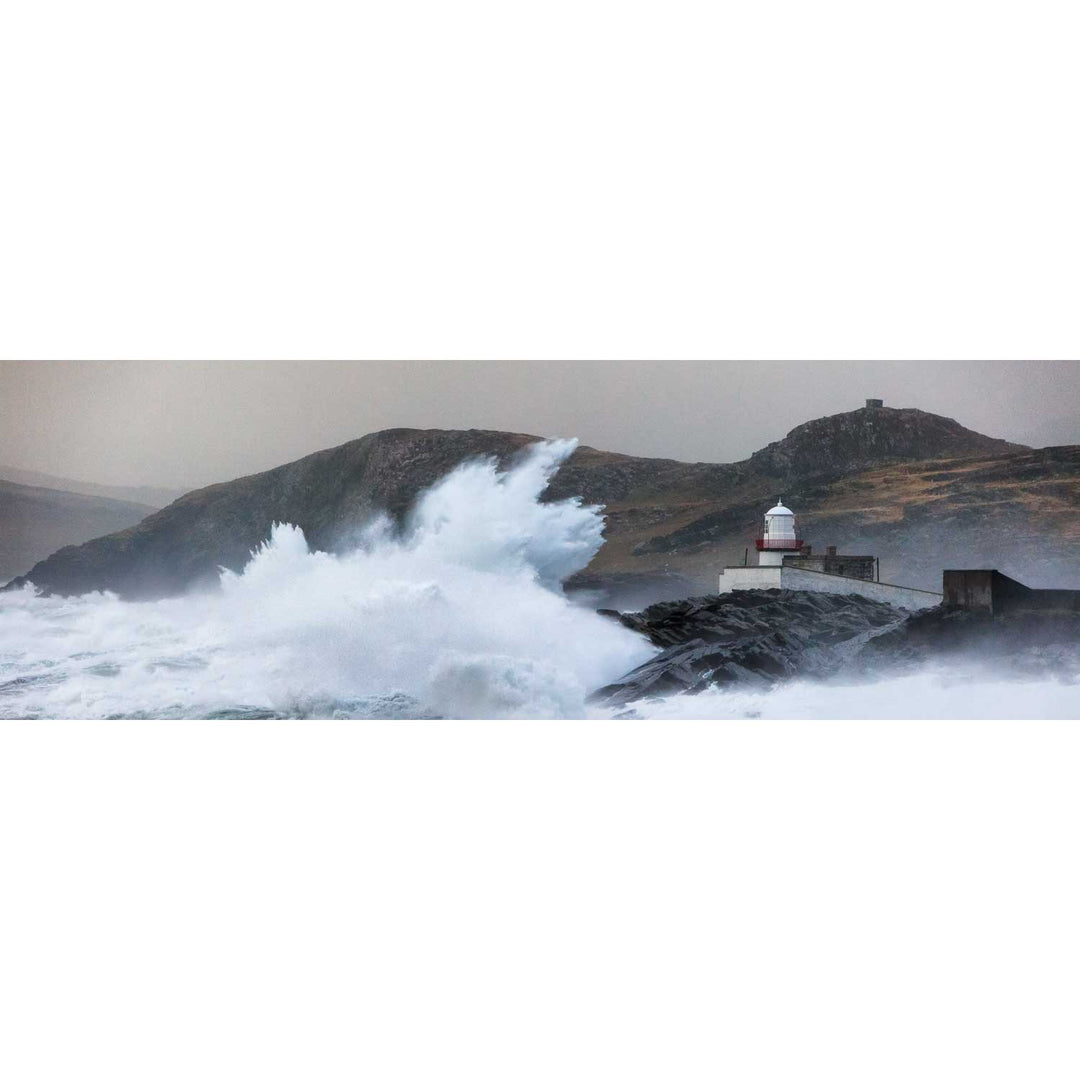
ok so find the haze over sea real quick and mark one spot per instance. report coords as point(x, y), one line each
point(461, 615)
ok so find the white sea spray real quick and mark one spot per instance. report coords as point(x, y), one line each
point(962, 690)
point(463, 615)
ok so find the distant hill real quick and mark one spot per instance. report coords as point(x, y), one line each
point(919, 490)
point(154, 497)
point(36, 521)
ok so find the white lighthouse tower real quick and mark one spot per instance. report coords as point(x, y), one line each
point(785, 562)
point(778, 537)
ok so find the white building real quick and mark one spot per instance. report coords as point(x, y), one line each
point(785, 561)
point(778, 538)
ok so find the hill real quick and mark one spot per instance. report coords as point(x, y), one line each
point(917, 489)
point(154, 497)
point(35, 521)
point(327, 494)
point(1018, 511)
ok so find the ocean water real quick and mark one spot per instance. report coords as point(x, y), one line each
point(462, 614)
point(968, 691)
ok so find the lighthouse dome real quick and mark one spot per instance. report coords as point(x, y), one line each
point(778, 536)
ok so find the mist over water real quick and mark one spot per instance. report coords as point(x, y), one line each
point(965, 691)
point(462, 614)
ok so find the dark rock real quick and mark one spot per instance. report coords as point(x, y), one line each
point(758, 637)
point(754, 637)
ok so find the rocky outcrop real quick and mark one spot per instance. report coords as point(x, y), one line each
point(1025, 645)
point(853, 441)
point(755, 638)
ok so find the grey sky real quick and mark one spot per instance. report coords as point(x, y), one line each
point(189, 424)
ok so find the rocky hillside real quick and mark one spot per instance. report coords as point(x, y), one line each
point(328, 494)
point(1018, 511)
point(849, 442)
point(919, 490)
point(35, 521)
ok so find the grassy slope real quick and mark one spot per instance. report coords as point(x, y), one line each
point(1019, 511)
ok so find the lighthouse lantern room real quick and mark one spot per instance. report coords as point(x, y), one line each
point(779, 537)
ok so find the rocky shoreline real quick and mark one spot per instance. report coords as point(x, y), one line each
point(759, 637)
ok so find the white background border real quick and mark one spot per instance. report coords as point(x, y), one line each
point(572, 179)
point(682, 180)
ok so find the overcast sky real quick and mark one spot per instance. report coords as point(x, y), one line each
point(179, 424)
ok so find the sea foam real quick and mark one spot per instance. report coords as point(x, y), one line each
point(462, 614)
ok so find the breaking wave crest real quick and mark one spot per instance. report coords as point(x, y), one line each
point(462, 615)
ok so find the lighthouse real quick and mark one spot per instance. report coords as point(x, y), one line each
point(778, 538)
point(786, 562)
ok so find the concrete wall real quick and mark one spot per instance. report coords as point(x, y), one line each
point(749, 577)
point(733, 578)
point(994, 593)
point(972, 590)
point(898, 595)
point(1053, 600)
